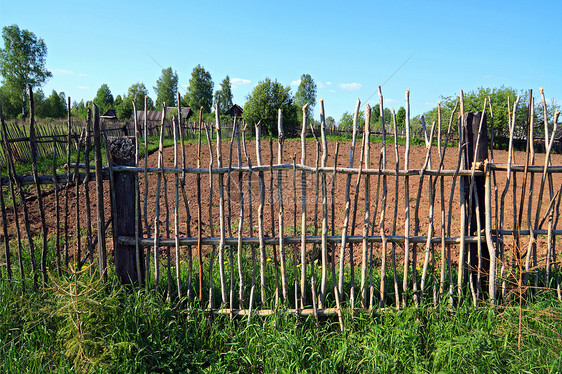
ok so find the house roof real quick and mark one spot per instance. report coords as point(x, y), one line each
point(235, 110)
point(155, 115)
point(110, 114)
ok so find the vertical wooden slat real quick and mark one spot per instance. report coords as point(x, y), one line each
point(68, 184)
point(186, 204)
point(260, 215)
point(462, 247)
point(78, 256)
point(34, 155)
point(427, 163)
point(333, 198)
point(366, 221)
point(504, 193)
point(5, 219)
point(384, 248)
point(199, 211)
point(250, 208)
point(87, 149)
point(396, 184)
point(176, 128)
point(531, 258)
point(221, 205)
point(137, 196)
point(324, 208)
point(145, 204)
point(57, 211)
point(294, 247)
point(208, 132)
point(12, 186)
point(406, 205)
point(157, 203)
point(102, 254)
point(303, 205)
point(272, 217)
point(241, 217)
point(347, 200)
point(281, 216)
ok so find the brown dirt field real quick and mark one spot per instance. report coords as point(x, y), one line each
point(292, 226)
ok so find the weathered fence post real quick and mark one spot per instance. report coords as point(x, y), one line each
point(474, 154)
point(122, 152)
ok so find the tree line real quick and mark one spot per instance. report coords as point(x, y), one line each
point(23, 60)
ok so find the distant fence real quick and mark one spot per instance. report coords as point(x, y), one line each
point(227, 234)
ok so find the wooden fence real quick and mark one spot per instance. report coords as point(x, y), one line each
point(371, 233)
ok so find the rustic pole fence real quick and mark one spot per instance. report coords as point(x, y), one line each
point(413, 254)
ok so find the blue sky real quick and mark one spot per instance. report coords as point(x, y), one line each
point(349, 48)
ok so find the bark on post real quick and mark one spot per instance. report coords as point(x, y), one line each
point(122, 152)
point(476, 151)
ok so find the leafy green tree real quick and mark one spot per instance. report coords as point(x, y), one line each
point(11, 100)
point(401, 118)
point(79, 110)
point(137, 91)
point(52, 107)
point(224, 96)
point(166, 88)
point(200, 90)
point(118, 100)
point(264, 102)
point(306, 94)
point(104, 99)
point(500, 97)
point(22, 61)
point(330, 122)
point(346, 121)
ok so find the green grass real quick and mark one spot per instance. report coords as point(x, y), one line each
point(78, 324)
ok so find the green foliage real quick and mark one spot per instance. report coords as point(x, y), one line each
point(22, 61)
point(53, 107)
point(223, 97)
point(401, 118)
point(346, 121)
point(200, 91)
point(79, 324)
point(306, 94)
point(166, 88)
point(263, 104)
point(500, 98)
point(11, 99)
point(80, 110)
point(138, 92)
point(330, 122)
point(104, 99)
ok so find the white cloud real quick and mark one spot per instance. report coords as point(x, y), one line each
point(332, 90)
point(296, 83)
point(324, 84)
point(237, 82)
point(350, 86)
point(68, 72)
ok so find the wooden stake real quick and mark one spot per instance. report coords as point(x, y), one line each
point(44, 228)
point(260, 216)
point(176, 127)
point(199, 213)
point(324, 208)
point(406, 205)
point(366, 221)
point(102, 254)
point(303, 204)
point(281, 218)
